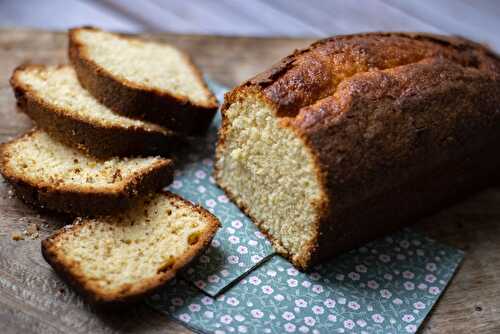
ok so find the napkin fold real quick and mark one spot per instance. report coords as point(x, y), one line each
point(387, 286)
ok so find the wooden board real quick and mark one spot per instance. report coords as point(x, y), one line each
point(34, 300)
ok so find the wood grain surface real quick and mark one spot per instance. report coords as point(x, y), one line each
point(34, 300)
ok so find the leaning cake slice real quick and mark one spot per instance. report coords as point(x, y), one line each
point(120, 258)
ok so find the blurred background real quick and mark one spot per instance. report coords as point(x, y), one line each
point(476, 19)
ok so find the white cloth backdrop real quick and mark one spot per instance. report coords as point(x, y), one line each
point(477, 19)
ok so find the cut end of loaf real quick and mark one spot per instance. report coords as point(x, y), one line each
point(268, 170)
point(144, 64)
point(122, 257)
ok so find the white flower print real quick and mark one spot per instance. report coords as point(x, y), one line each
point(361, 268)
point(201, 189)
point(306, 284)
point(215, 243)
point(384, 258)
point(332, 317)
point(388, 277)
point(353, 305)
point(422, 286)
point(397, 301)
point(385, 293)
point(177, 184)
point(303, 329)
point(226, 319)
point(267, 289)
point(292, 282)
point(434, 290)
point(242, 250)
point(349, 324)
point(430, 278)
point(318, 309)
point(411, 328)
point(233, 259)
point(288, 315)
point(256, 313)
point(378, 318)
point(408, 274)
point(279, 298)
point(361, 323)
point(242, 329)
point(210, 203)
point(194, 307)
point(353, 276)
point(200, 284)
point(301, 302)
point(207, 300)
point(200, 174)
point(223, 199)
point(254, 280)
point(342, 300)
point(236, 224)
point(419, 305)
point(404, 243)
point(292, 271)
point(339, 277)
point(317, 288)
point(224, 272)
point(372, 284)
point(256, 258)
point(408, 318)
point(431, 266)
point(409, 285)
point(177, 301)
point(315, 276)
point(233, 239)
point(230, 230)
point(239, 317)
point(252, 242)
point(232, 301)
point(213, 278)
point(289, 327)
point(309, 321)
point(330, 303)
point(208, 314)
point(271, 273)
point(259, 235)
point(185, 317)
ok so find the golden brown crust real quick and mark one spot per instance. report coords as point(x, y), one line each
point(85, 201)
point(98, 139)
point(71, 272)
point(172, 111)
point(387, 117)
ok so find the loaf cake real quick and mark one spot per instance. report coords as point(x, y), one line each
point(352, 137)
point(120, 258)
point(142, 79)
point(54, 99)
point(46, 173)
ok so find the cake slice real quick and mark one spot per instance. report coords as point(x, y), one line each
point(54, 99)
point(121, 258)
point(46, 173)
point(142, 79)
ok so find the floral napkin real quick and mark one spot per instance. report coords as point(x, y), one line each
point(387, 286)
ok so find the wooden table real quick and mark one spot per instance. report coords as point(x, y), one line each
point(34, 300)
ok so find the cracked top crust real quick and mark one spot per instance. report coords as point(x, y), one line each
point(310, 75)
